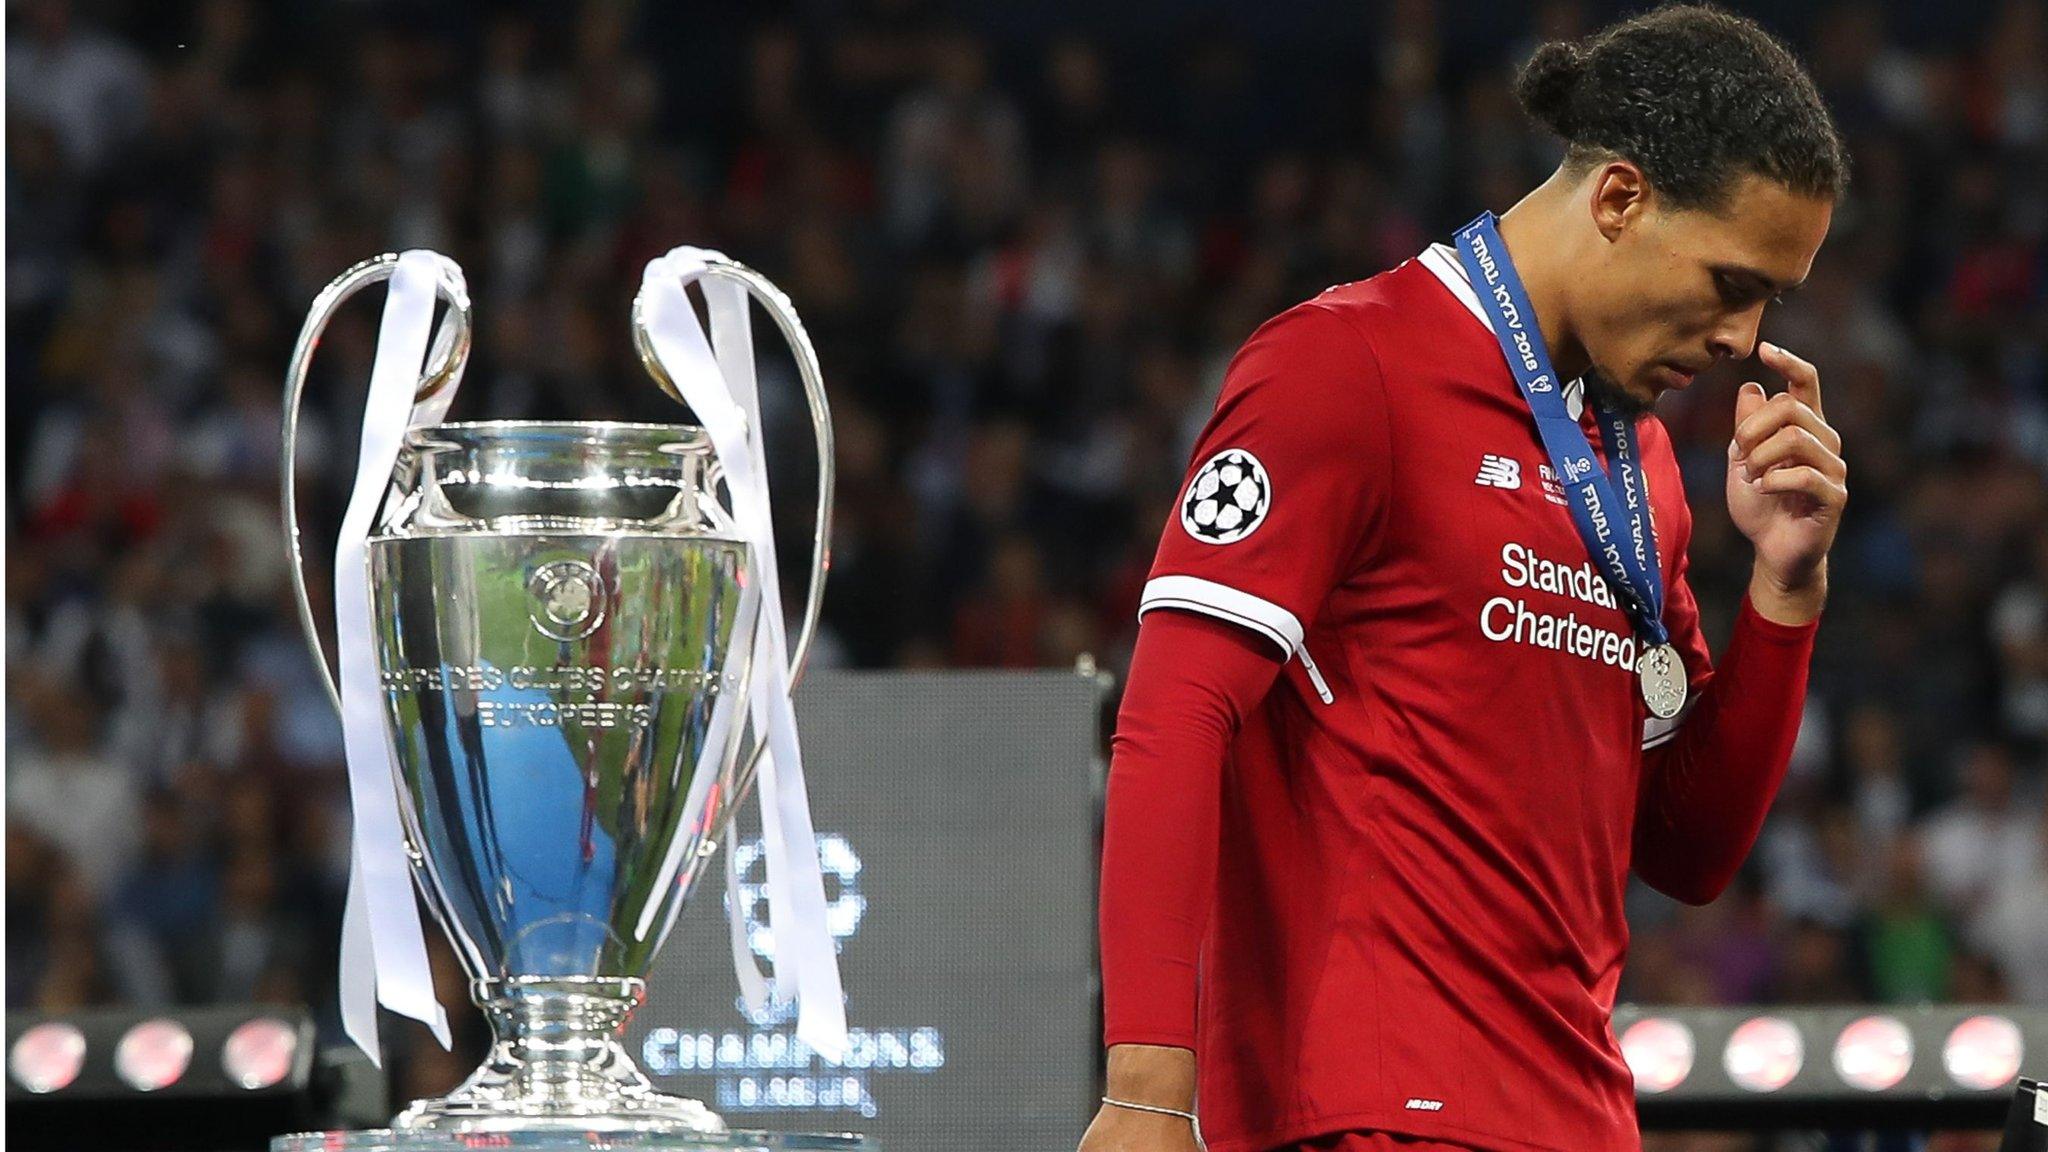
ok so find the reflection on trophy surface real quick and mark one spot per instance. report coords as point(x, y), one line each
point(567, 633)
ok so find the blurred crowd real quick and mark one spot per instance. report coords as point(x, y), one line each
point(1026, 255)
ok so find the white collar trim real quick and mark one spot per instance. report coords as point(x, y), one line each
point(1442, 261)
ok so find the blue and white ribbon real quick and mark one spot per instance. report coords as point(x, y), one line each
point(1631, 566)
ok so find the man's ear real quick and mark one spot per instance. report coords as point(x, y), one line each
point(1618, 195)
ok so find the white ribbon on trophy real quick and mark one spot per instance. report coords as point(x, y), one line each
point(383, 949)
point(716, 378)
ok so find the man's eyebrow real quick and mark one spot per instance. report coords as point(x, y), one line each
point(1770, 284)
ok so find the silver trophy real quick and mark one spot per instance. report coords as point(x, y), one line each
point(555, 610)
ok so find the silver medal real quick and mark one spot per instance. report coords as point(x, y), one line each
point(1662, 674)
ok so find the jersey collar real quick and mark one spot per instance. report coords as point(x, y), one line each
point(1442, 261)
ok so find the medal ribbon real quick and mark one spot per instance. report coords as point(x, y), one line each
point(1630, 566)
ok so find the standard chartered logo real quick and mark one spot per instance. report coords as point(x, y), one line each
point(1521, 567)
point(1511, 619)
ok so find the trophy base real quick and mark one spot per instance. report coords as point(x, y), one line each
point(482, 1107)
point(402, 1140)
point(557, 1066)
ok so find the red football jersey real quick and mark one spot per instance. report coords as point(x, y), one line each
point(1426, 825)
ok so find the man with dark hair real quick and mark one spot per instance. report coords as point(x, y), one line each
point(1366, 889)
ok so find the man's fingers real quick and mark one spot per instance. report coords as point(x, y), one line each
point(1778, 412)
point(1806, 480)
point(1802, 379)
point(1749, 399)
point(1793, 444)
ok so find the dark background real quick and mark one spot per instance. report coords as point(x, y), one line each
point(1026, 237)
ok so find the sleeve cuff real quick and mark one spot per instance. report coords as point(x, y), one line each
point(1156, 1037)
point(1756, 624)
point(1225, 603)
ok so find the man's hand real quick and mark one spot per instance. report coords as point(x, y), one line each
point(1787, 485)
point(1146, 1074)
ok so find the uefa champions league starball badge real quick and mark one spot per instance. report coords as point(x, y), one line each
point(1228, 498)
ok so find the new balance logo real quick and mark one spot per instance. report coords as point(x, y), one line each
point(1499, 472)
point(1418, 1104)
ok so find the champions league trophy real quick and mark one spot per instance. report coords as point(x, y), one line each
point(555, 642)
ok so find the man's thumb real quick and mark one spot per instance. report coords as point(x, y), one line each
point(1748, 399)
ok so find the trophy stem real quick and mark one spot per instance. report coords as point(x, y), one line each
point(556, 1062)
point(558, 1036)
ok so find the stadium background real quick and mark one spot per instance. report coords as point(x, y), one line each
point(1026, 239)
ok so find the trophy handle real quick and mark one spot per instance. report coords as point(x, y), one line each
point(445, 361)
point(778, 307)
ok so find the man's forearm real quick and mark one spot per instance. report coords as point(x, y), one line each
point(1705, 794)
point(1192, 679)
point(1152, 1074)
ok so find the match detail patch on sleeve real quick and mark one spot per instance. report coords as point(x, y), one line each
point(1228, 498)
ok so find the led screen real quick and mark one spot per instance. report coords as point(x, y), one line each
point(955, 814)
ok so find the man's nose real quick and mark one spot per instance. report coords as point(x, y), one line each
point(1735, 337)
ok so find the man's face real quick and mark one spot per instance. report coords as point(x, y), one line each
point(1677, 290)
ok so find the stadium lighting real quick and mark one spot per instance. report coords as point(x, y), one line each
point(1983, 1053)
point(1933, 1066)
point(260, 1053)
point(153, 1055)
point(1874, 1053)
point(225, 1076)
point(47, 1057)
point(1659, 1051)
point(1764, 1054)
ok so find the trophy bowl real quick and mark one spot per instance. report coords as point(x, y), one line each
point(555, 608)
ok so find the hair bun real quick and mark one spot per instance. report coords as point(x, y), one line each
point(1548, 83)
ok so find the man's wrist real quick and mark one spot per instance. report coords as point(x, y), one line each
point(1792, 603)
point(1152, 1074)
